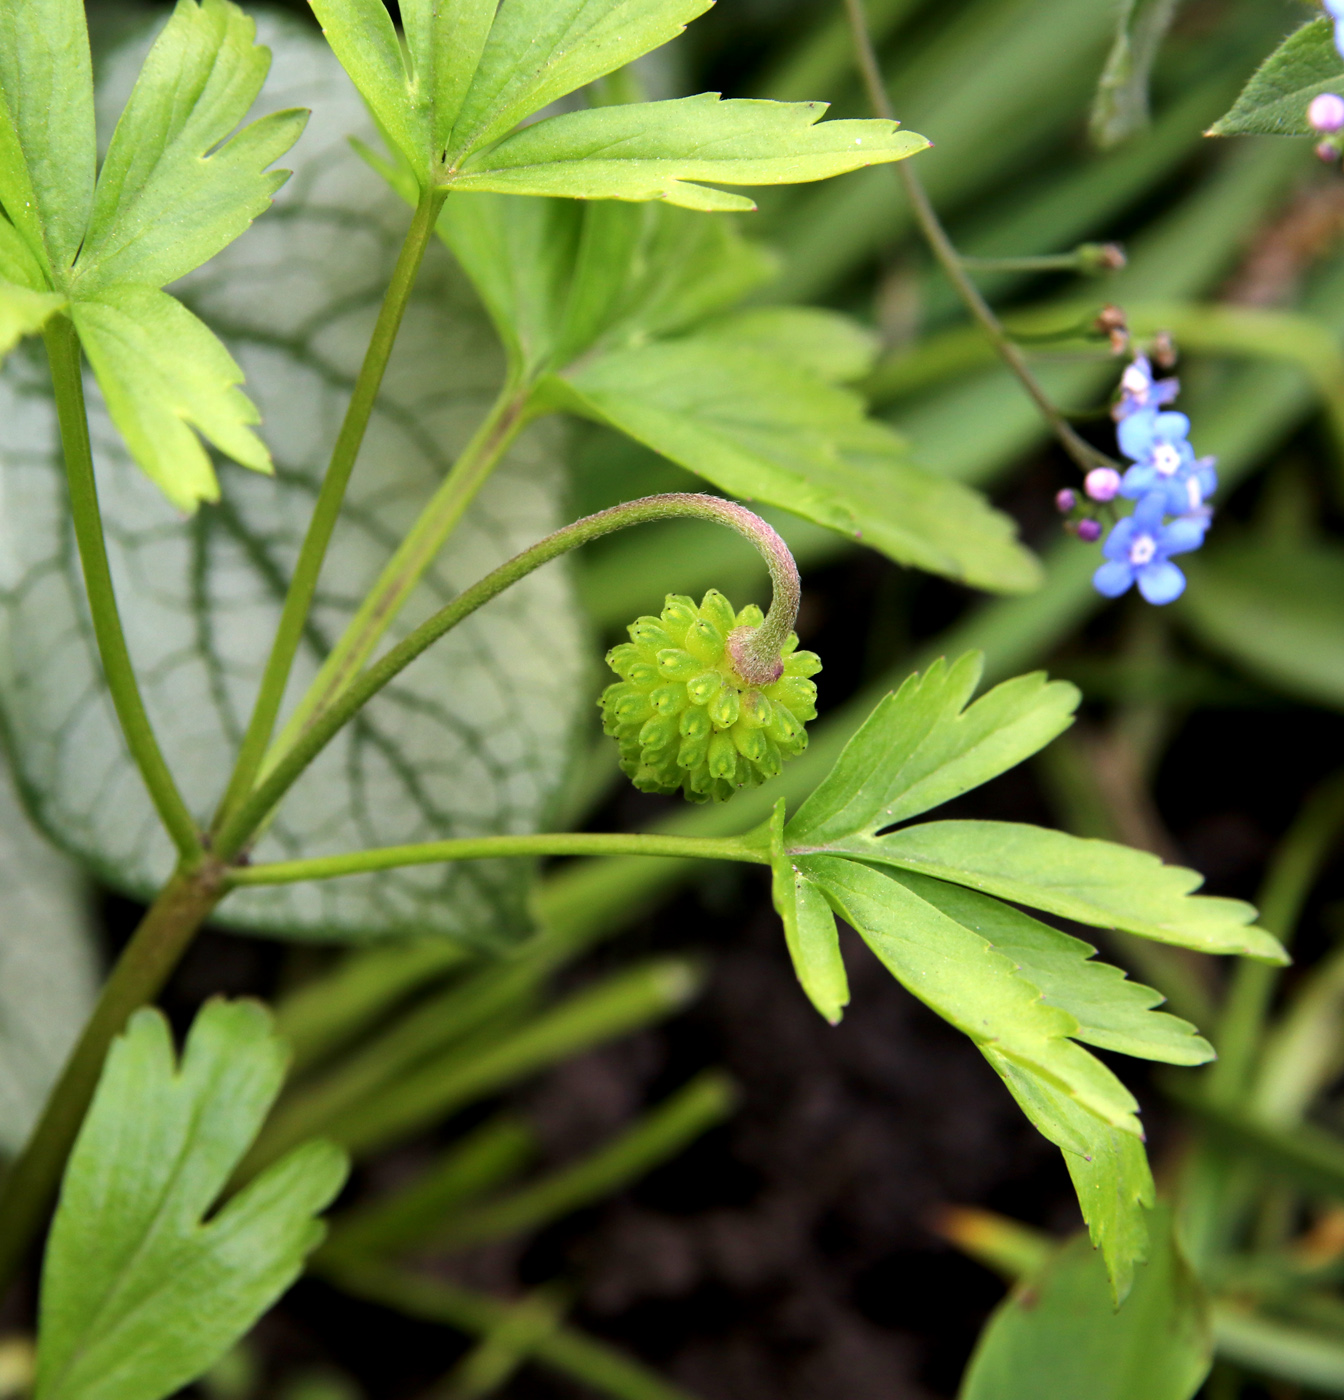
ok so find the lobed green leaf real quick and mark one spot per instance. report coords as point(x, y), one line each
point(835, 348)
point(1059, 1334)
point(1094, 882)
point(1275, 101)
point(163, 372)
point(173, 189)
point(968, 983)
point(1112, 1012)
point(922, 747)
point(47, 150)
point(809, 928)
point(762, 428)
point(540, 50)
point(1108, 1168)
point(140, 1292)
point(653, 150)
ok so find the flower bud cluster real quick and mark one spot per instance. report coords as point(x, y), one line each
point(685, 718)
point(1325, 115)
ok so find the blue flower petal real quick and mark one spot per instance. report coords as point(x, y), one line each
point(1113, 578)
point(1138, 481)
point(1134, 433)
point(1118, 541)
point(1160, 582)
point(1181, 536)
point(1149, 511)
point(1171, 427)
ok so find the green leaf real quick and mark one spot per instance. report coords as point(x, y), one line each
point(1120, 108)
point(475, 738)
point(922, 747)
point(1109, 1169)
point(558, 274)
point(1112, 1012)
point(48, 967)
point(763, 429)
point(1094, 882)
point(163, 372)
point(835, 348)
point(361, 36)
point(24, 312)
point(540, 50)
point(18, 264)
point(1275, 610)
point(651, 150)
point(1059, 1335)
point(809, 929)
point(47, 147)
point(1275, 101)
point(174, 190)
point(959, 975)
point(140, 1293)
point(446, 39)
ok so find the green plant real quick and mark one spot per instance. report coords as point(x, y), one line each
point(618, 309)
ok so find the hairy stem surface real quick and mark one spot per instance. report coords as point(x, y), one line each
point(752, 649)
point(565, 843)
point(935, 235)
point(327, 511)
point(64, 356)
point(407, 566)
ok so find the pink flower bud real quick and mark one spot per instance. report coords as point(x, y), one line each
point(1065, 501)
point(1326, 112)
point(1102, 483)
point(1326, 152)
point(1089, 531)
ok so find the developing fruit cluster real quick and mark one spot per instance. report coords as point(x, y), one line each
point(685, 718)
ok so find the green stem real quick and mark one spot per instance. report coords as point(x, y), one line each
point(755, 651)
point(328, 508)
point(1292, 872)
point(569, 843)
point(1082, 452)
point(1088, 258)
point(29, 1187)
point(63, 354)
point(407, 566)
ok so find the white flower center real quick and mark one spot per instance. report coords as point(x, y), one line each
point(1166, 459)
point(1142, 550)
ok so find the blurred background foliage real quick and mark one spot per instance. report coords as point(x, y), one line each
point(516, 1124)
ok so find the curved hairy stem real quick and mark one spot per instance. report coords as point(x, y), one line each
point(327, 511)
point(64, 356)
point(758, 649)
point(935, 235)
point(407, 566)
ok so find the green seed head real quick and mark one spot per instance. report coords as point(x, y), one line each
point(683, 715)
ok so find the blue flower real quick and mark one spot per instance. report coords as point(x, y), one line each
point(1336, 11)
point(1164, 462)
point(1138, 551)
point(1139, 391)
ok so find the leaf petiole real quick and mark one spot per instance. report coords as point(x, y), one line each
point(63, 354)
point(235, 834)
point(327, 511)
point(407, 566)
point(568, 843)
